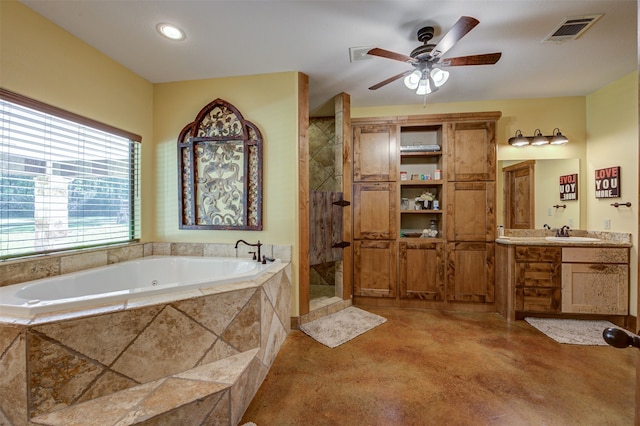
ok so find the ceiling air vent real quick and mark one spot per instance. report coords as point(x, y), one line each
point(571, 28)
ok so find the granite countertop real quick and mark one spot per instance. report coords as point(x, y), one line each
point(583, 238)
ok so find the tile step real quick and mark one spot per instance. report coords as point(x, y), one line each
point(202, 391)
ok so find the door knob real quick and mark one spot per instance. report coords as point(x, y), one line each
point(619, 338)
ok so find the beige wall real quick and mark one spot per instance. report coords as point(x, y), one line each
point(612, 129)
point(268, 101)
point(40, 60)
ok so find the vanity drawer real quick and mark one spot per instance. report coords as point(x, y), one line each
point(537, 299)
point(595, 255)
point(538, 254)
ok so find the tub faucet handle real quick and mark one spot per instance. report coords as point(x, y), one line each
point(254, 254)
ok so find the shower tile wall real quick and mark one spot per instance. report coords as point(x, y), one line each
point(325, 174)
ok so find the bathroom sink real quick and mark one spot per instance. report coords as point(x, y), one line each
point(573, 239)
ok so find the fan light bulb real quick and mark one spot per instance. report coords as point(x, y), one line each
point(412, 80)
point(439, 76)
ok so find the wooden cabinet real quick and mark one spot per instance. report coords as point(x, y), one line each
point(472, 155)
point(447, 157)
point(470, 272)
point(421, 269)
point(595, 280)
point(375, 271)
point(471, 211)
point(537, 279)
point(562, 281)
point(375, 154)
point(374, 211)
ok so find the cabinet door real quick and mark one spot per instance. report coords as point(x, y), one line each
point(422, 270)
point(595, 288)
point(374, 268)
point(470, 272)
point(375, 154)
point(471, 151)
point(471, 211)
point(375, 211)
point(537, 279)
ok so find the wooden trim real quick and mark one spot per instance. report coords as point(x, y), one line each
point(507, 189)
point(343, 118)
point(427, 119)
point(67, 115)
point(303, 194)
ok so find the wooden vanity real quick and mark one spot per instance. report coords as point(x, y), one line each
point(567, 278)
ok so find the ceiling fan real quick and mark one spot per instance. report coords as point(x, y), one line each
point(427, 60)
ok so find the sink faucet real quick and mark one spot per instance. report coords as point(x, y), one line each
point(545, 226)
point(258, 244)
point(563, 232)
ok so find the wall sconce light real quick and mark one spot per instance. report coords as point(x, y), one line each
point(518, 140)
point(558, 138)
point(538, 139)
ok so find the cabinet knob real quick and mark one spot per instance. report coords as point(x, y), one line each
point(619, 338)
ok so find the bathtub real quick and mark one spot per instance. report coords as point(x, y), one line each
point(192, 335)
point(125, 282)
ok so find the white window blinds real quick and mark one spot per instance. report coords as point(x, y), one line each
point(65, 182)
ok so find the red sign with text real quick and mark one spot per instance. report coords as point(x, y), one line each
point(569, 187)
point(608, 182)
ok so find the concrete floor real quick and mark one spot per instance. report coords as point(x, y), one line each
point(438, 368)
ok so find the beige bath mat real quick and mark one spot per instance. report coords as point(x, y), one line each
point(573, 332)
point(336, 329)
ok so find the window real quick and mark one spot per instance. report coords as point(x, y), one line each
point(66, 181)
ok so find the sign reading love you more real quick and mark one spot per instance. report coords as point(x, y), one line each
point(608, 182)
point(569, 187)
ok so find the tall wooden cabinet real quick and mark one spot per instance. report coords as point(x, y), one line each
point(415, 173)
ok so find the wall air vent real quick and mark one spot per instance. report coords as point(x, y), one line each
point(571, 28)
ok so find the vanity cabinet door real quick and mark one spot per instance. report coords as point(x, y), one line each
point(374, 267)
point(537, 279)
point(595, 280)
point(422, 270)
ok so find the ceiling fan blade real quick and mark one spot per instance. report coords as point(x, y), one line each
point(459, 30)
point(376, 51)
point(484, 59)
point(390, 80)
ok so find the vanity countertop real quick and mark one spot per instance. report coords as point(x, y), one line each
point(580, 238)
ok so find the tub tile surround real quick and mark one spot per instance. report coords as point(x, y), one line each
point(216, 347)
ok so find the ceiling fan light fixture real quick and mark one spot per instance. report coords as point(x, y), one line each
point(518, 140)
point(539, 139)
point(439, 76)
point(558, 138)
point(426, 85)
point(413, 79)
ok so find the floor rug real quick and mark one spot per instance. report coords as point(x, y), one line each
point(573, 332)
point(336, 329)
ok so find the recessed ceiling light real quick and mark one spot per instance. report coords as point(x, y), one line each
point(171, 31)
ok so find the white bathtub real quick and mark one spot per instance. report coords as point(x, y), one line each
point(125, 281)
